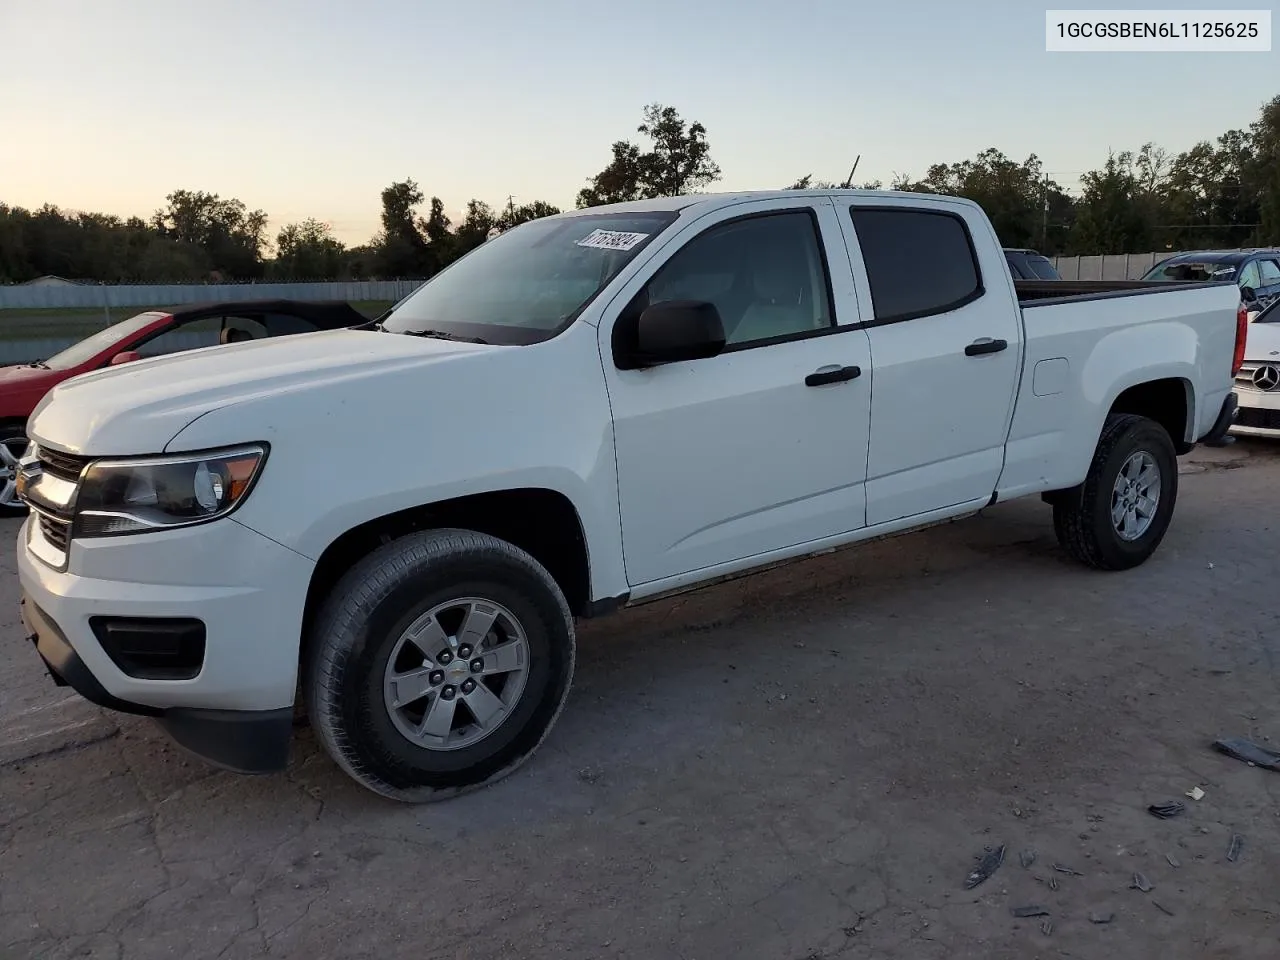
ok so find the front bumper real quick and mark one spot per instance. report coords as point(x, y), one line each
point(1259, 413)
point(248, 591)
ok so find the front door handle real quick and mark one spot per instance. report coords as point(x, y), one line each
point(825, 375)
point(984, 346)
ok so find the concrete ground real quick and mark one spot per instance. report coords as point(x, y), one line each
point(798, 765)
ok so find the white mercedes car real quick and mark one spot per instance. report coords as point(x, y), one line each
point(1258, 382)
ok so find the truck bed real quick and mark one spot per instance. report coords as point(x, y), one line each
point(1032, 293)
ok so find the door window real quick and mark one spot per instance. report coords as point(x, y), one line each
point(766, 275)
point(919, 263)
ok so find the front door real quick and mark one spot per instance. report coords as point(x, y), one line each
point(747, 452)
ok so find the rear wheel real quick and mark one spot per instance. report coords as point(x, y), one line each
point(439, 664)
point(1116, 518)
point(13, 443)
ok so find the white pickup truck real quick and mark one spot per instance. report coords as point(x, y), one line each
point(400, 523)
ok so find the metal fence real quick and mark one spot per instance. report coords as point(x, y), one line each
point(80, 296)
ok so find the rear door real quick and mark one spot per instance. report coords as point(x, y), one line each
point(748, 452)
point(945, 336)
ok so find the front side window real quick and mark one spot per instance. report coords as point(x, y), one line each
point(202, 332)
point(1268, 272)
point(528, 284)
point(766, 275)
point(919, 263)
point(1249, 275)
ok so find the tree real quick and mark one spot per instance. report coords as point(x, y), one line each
point(677, 162)
point(475, 226)
point(307, 251)
point(1112, 213)
point(230, 234)
point(400, 250)
point(514, 216)
point(808, 183)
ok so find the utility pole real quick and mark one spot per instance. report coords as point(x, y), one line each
point(511, 207)
point(1044, 223)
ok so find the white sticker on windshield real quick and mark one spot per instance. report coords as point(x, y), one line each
point(611, 239)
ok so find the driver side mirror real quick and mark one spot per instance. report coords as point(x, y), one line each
point(675, 330)
point(1248, 294)
point(125, 356)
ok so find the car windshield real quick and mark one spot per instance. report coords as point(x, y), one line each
point(530, 283)
point(1042, 268)
point(1269, 315)
point(90, 347)
point(1194, 271)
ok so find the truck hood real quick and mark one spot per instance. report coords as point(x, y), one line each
point(139, 407)
point(1263, 343)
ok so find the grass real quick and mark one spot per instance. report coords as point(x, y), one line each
point(62, 323)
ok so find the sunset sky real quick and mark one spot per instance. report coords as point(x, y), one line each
point(310, 109)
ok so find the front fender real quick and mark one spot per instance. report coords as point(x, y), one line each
point(346, 454)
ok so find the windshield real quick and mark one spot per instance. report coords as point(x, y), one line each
point(90, 347)
point(1192, 271)
point(1269, 315)
point(1042, 268)
point(530, 283)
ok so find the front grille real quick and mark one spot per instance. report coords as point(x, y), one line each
point(55, 531)
point(1256, 417)
point(64, 465)
point(1270, 378)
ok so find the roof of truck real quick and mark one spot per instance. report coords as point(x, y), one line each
point(714, 200)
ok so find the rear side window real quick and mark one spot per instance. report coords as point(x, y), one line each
point(919, 263)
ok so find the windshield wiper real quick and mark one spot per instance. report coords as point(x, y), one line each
point(441, 335)
point(38, 364)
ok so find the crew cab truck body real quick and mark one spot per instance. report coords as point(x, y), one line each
point(591, 410)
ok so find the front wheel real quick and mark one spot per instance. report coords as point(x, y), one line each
point(439, 664)
point(1118, 516)
point(13, 443)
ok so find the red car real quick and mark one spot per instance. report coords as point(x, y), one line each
point(149, 334)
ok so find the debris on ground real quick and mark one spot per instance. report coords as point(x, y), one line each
point(1195, 793)
point(1027, 858)
point(1047, 927)
point(1162, 908)
point(1063, 868)
point(1053, 882)
point(1167, 811)
point(1250, 752)
point(1140, 883)
point(1173, 861)
point(1033, 910)
point(1233, 851)
point(988, 863)
point(1100, 917)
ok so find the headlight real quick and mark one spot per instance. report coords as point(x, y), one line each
point(156, 493)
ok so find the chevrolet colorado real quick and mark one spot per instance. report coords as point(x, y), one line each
point(402, 523)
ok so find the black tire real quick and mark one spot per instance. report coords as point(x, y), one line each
point(355, 635)
point(14, 439)
point(1082, 516)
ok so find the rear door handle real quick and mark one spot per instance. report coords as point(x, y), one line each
point(824, 375)
point(985, 345)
